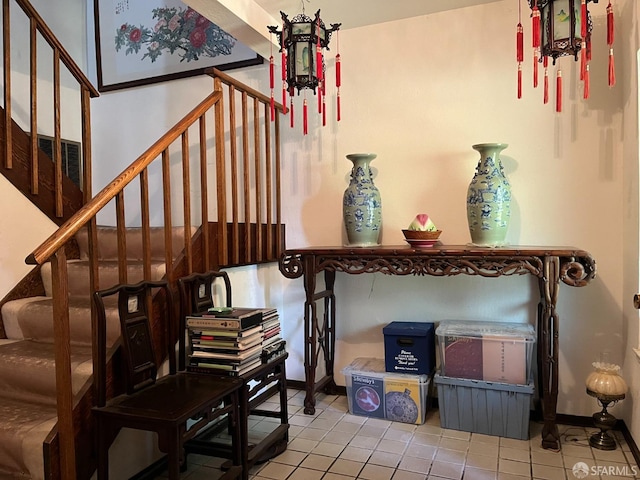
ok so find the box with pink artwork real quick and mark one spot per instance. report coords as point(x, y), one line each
point(372, 392)
point(488, 351)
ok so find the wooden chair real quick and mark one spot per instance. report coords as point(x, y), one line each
point(163, 405)
point(266, 380)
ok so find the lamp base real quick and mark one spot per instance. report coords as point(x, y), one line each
point(602, 441)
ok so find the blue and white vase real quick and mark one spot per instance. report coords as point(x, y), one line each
point(361, 204)
point(489, 198)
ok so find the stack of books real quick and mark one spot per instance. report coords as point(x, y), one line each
point(225, 342)
point(273, 345)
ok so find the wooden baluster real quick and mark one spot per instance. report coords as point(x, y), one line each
point(186, 200)
point(246, 168)
point(204, 198)
point(33, 93)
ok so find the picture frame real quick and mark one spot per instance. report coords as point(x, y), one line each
point(140, 43)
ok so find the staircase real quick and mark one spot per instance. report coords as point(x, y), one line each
point(27, 366)
point(46, 357)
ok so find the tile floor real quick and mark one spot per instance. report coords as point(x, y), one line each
point(333, 445)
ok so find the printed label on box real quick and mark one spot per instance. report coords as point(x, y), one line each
point(463, 357)
point(403, 402)
point(406, 361)
point(368, 396)
point(504, 360)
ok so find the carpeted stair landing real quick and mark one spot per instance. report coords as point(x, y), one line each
point(27, 366)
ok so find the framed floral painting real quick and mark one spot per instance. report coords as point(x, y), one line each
point(139, 43)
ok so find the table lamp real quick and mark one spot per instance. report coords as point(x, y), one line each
point(608, 387)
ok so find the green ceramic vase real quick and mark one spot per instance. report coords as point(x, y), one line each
point(361, 205)
point(489, 198)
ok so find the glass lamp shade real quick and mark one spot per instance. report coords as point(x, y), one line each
point(605, 380)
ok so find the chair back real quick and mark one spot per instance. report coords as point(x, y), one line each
point(135, 307)
point(196, 296)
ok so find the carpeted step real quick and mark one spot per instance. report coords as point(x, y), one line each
point(28, 371)
point(32, 318)
point(24, 426)
point(78, 273)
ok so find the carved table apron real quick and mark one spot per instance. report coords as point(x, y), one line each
point(551, 265)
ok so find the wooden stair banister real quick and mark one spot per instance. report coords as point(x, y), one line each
point(60, 58)
point(197, 254)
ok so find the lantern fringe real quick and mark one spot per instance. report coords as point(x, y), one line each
point(559, 91)
point(305, 122)
point(545, 96)
point(519, 80)
point(610, 38)
point(535, 67)
point(586, 83)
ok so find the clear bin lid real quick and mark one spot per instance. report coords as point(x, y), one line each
point(375, 367)
point(470, 328)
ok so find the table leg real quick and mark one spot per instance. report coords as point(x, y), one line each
point(548, 351)
point(329, 330)
point(310, 334)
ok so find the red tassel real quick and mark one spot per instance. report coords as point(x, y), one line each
point(273, 107)
point(519, 81)
point(338, 106)
point(519, 43)
point(583, 60)
point(612, 69)
point(559, 91)
point(545, 63)
point(324, 111)
point(284, 99)
point(272, 83)
point(586, 83)
point(535, 68)
point(291, 112)
point(272, 80)
point(283, 57)
point(338, 70)
point(319, 70)
point(305, 124)
point(535, 26)
point(610, 38)
point(610, 35)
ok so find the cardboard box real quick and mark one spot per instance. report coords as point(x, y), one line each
point(372, 392)
point(488, 351)
point(409, 347)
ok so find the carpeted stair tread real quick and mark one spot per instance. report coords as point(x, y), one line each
point(23, 428)
point(108, 274)
point(35, 319)
point(27, 370)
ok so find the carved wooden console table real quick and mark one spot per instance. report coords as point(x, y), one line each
point(551, 265)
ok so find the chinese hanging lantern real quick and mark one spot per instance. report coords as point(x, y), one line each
point(563, 27)
point(302, 42)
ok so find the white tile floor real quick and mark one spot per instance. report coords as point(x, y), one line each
point(333, 444)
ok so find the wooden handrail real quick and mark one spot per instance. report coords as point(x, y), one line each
point(230, 81)
point(61, 236)
point(55, 44)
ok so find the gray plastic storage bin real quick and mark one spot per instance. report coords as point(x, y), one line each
point(492, 408)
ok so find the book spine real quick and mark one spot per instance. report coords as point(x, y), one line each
point(226, 323)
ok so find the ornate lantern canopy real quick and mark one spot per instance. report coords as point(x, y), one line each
point(559, 28)
point(302, 41)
